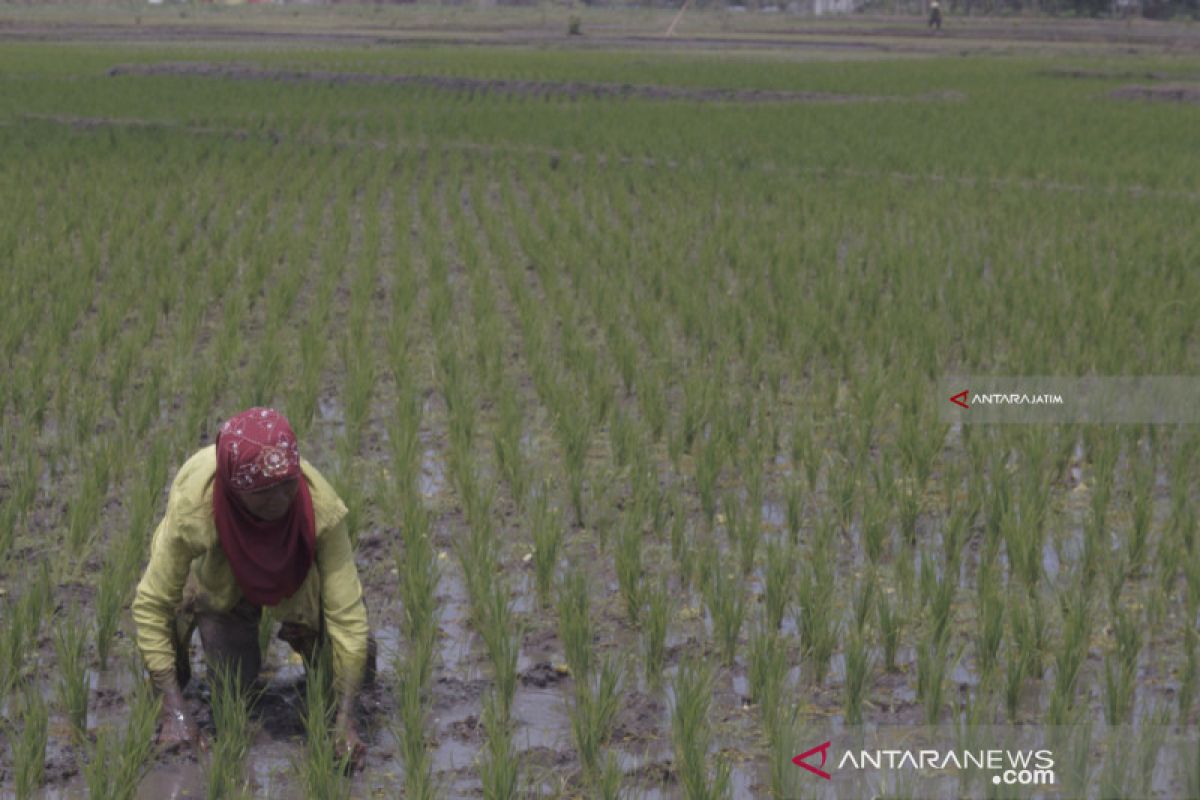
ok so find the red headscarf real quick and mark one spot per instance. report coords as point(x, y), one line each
point(269, 558)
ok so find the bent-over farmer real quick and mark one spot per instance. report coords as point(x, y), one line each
point(250, 524)
point(935, 15)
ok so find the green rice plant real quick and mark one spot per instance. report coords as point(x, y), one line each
point(859, 665)
point(864, 599)
point(691, 734)
point(874, 528)
point(783, 731)
point(933, 667)
point(708, 468)
point(608, 783)
point(989, 631)
point(507, 443)
point(766, 672)
point(891, 628)
point(321, 772)
point(28, 743)
point(1076, 620)
point(654, 629)
point(547, 528)
point(628, 559)
point(111, 592)
point(816, 622)
point(410, 733)
point(795, 509)
point(574, 623)
point(231, 718)
point(499, 768)
point(726, 604)
point(780, 574)
point(502, 638)
point(1141, 511)
point(116, 760)
point(597, 701)
point(1120, 669)
point(1190, 674)
point(70, 641)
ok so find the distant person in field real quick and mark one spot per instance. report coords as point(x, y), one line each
point(250, 524)
point(935, 16)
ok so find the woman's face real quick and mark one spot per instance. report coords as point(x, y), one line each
point(272, 502)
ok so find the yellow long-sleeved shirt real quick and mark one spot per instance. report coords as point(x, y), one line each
point(186, 542)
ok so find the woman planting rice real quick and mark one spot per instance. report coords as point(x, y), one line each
point(250, 524)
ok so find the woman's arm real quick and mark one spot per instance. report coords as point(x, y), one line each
point(154, 607)
point(346, 626)
point(343, 608)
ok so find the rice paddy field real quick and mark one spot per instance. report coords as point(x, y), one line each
point(625, 354)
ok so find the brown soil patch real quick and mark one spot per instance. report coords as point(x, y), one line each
point(570, 89)
point(1167, 92)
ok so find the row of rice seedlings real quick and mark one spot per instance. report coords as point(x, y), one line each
point(691, 734)
point(117, 760)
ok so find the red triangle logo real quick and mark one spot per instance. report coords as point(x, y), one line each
point(823, 749)
point(960, 399)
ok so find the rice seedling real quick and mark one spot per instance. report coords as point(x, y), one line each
point(28, 743)
point(502, 638)
point(766, 671)
point(231, 718)
point(989, 631)
point(546, 525)
point(654, 629)
point(111, 592)
point(1190, 674)
point(859, 665)
point(1120, 669)
point(934, 665)
point(69, 649)
point(574, 623)
point(816, 622)
point(628, 558)
point(891, 627)
point(692, 734)
point(320, 770)
point(726, 604)
point(499, 768)
point(597, 701)
point(783, 731)
point(117, 761)
point(780, 573)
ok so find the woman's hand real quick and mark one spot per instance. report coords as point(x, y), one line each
point(178, 730)
point(347, 744)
